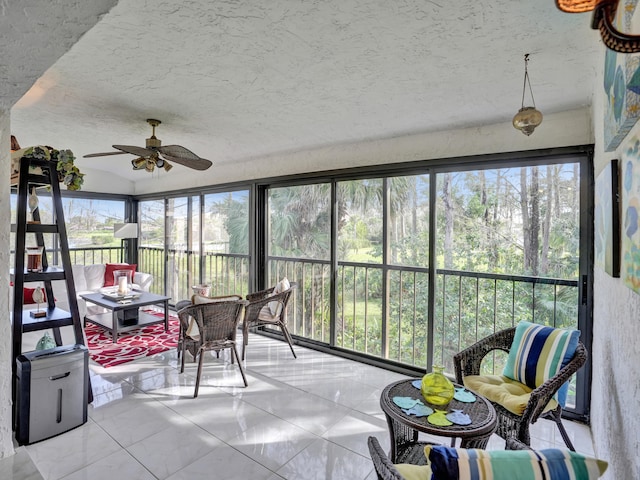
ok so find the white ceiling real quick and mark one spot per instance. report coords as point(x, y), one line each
point(239, 81)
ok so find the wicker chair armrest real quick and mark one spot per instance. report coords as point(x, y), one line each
point(541, 396)
point(254, 306)
point(181, 304)
point(385, 469)
point(260, 295)
point(513, 443)
point(468, 361)
point(184, 315)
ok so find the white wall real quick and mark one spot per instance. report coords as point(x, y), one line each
point(558, 130)
point(6, 434)
point(615, 353)
point(34, 35)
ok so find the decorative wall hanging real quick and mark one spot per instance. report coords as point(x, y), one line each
point(622, 90)
point(607, 220)
point(630, 182)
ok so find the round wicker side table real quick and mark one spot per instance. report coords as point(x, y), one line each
point(404, 429)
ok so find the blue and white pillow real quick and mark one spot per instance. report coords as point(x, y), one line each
point(538, 353)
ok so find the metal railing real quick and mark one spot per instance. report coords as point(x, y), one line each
point(382, 310)
point(225, 273)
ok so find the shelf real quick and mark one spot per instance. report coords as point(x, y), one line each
point(37, 228)
point(56, 317)
point(105, 320)
point(52, 273)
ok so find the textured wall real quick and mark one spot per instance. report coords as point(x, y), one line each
point(615, 353)
point(615, 422)
point(6, 434)
point(33, 35)
point(40, 32)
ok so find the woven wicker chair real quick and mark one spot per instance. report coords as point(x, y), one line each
point(468, 362)
point(257, 313)
point(217, 324)
point(192, 344)
point(382, 464)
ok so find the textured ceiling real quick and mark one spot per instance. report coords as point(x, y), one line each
point(239, 81)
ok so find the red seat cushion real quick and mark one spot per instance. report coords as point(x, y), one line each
point(112, 267)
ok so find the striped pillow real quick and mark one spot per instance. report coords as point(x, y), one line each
point(538, 353)
point(474, 464)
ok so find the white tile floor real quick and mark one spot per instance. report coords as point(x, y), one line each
point(304, 418)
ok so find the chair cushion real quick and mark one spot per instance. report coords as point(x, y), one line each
point(512, 395)
point(538, 353)
point(414, 472)
point(265, 314)
point(112, 267)
point(474, 464)
point(282, 286)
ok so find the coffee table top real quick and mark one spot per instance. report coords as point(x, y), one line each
point(482, 413)
point(145, 298)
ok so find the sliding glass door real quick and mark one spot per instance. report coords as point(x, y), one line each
point(412, 269)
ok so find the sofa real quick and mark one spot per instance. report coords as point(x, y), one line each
point(89, 279)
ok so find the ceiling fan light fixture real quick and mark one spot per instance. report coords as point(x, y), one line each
point(150, 165)
point(167, 166)
point(139, 163)
point(527, 118)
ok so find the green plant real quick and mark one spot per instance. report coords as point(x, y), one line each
point(68, 173)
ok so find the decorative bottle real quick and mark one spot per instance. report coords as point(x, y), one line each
point(436, 388)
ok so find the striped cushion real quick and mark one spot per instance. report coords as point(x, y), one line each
point(474, 464)
point(538, 353)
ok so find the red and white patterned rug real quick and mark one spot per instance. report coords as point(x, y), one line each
point(133, 344)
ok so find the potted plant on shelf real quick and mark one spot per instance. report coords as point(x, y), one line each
point(68, 173)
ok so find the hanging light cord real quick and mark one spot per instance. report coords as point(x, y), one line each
point(526, 81)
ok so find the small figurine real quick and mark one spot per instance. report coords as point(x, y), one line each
point(33, 204)
point(38, 297)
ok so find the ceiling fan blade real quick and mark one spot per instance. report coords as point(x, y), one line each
point(133, 150)
point(184, 156)
point(195, 163)
point(89, 155)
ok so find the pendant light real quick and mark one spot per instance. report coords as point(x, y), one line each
point(527, 118)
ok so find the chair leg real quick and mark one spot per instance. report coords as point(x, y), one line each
point(287, 337)
point(556, 415)
point(200, 360)
point(184, 350)
point(235, 353)
point(245, 340)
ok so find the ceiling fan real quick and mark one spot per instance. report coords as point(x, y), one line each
point(155, 155)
